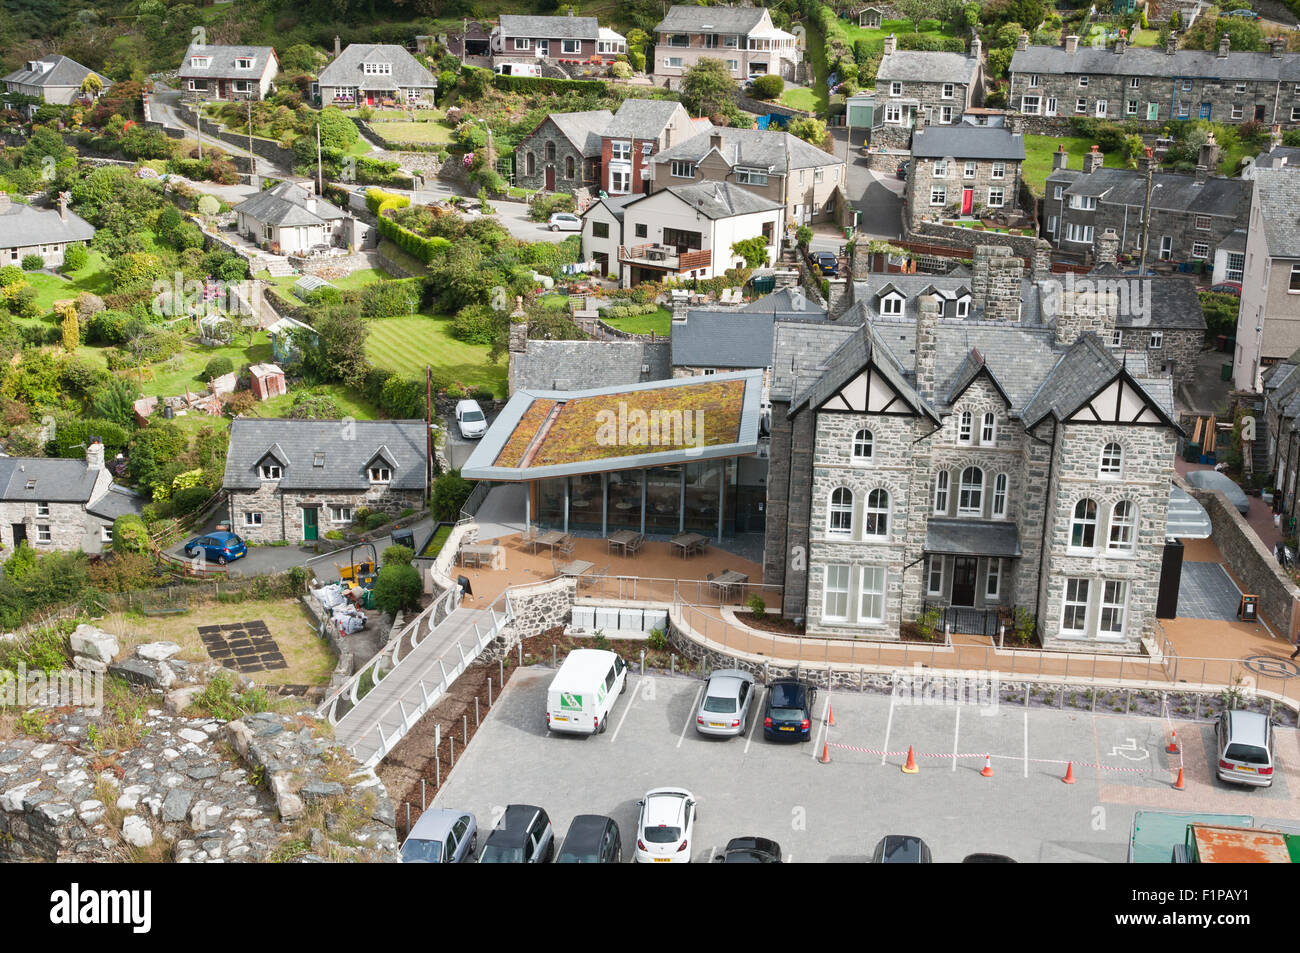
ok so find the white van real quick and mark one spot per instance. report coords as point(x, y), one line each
point(518, 69)
point(583, 691)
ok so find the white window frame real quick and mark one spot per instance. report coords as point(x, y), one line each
point(1114, 606)
point(989, 429)
point(938, 195)
point(833, 587)
point(1031, 105)
point(43, 508)
point(895, 88)
point(963, 306)
point(997, 197)
point(271, 471)
point(893, 114)
point(839, 515)
point(1127, 528)
point(380, 475)
point(934, 576)
point(1078, 602)
point(993, 578)
point(876, 518)
point(1085, 525)
point(939, 169)
point(244, 62)
point(863, 446)
point(1157, 340)
point(970, 495)
point(523, 43)
point(1081, 105)
point(252, 518)
point(948, 91)
point(891, 304)
point(1083, 82)
point(1131, 107)
point(673, 62)
point(43, 533)
point(968, 169)
point(1117, 338)
point(941, 487)
point(876, 590)
point(965, 427)
point(1101, 108)
point(751, 176)
point(999, 171)
point(1237, 111)
point(1134, 82)
point(340, 513)
point(1111, 464)
point(1200, 249)
point(682, 169)
point(570, 47)
point(1001, 491)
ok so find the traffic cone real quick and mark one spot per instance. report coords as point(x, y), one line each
point(988, 766)
point(1179, 785)
point(826, 754)
point(1069, 773)
point(830, 715)
point(910, 767)
point(1172, 747)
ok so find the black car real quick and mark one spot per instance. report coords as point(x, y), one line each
point(592, 839)
point(901, 171)
point(522, 836)
point(788, 714)
point(987, 859)
point(825, 263)
point(750, 850)
point(901, 849)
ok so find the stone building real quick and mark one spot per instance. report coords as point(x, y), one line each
point(213, 72)
point(1268, 323)
point(563, 153)
point(936, 87)
point(295, 479)
point(1191, 215)
point(744, 38)
point(1122, 83)
point(964, 170)
point(582, 365)
point(1001, 460)
point(62, 504)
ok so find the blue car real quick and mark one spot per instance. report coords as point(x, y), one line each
point(219, 548)
point(788, 715)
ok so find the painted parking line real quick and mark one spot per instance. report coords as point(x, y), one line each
point(690, 718)
point(956, 732)
point(754, 719)
point(889, 724)
point(636, 690)
point(816, 752)
point(1026, 714)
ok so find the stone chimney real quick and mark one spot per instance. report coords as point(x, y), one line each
point(1277, 46)
point(680, 310)
point(1207, 161)
point(1060, 158)
point(63, 206)
point(95, 455)
point(1022, 42)
point(715, 141)
point(927, 318)
point(1120, 44)
point(1042, 268)
point(1093, 160)
point(1171, 44)
point(976, 47)
point(835, 300)
point(891, 44)
point(995, 282)
point(918, 120)
point(860, 261)
point(1071, 44)
point(1225, 45)
point(1081, 306)
point(1106, 248)
point(338, 46)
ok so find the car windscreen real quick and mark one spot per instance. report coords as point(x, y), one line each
point(787, 714)
point(493, 854)
point(1247, 754)
point(472, 415)
point(574, 858)
point(663, 835)
point(723, 706)
point(787, 696)
point(421, 851)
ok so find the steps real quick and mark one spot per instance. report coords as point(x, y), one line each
point(277, 266)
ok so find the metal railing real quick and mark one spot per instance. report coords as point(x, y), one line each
point(700, 592)
point(474, 500)
point(967, 620)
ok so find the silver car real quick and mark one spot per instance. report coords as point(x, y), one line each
point(725, 707)
point(441, 837)
point(1245, 748)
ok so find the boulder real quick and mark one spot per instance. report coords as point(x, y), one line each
point(144, 673)
point(157, 651)
point(178, 699)
point(94, 643)
point(84, 663)
point(289, 804)
point(136, 831)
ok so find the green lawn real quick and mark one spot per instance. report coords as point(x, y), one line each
point(419, 132)
point(1144, 38)
point(186, 368)
point(657, 321)
point(819, 93)
point(350, 401)
point(406, 344)
point(52, 288)
point(358, 279)
point(1038, 157)
point(896, 27)
point(801, 97)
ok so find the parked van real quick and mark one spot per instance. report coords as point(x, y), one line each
point(1245, 743)
point(518, 69)
point(583, 691)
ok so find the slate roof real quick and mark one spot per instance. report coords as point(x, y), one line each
point(1169, 191)
point(968, 142)
point(688, 18)
point(1174, 304)
point(564, 28)
point(348, 69)
point(58, 480)
point(22, 225)
point(1278, 194)
point(1140, 61)
point(584, 365)
point(969, 537)
point(801, 350)
point(62, 72)
point(732, 338)
point(223, 61)
point(1081, 371)
point(718, 200)
point(118, 501)
point(642, 118)
point(583, 129)
point(615, 203)
point(859, 349)
point(927, 67)
point(786, 305)
point(347, 448)
point(1281, 157)
point(286, 205)
point(759, 148)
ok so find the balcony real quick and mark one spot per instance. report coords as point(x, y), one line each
point(664, 257)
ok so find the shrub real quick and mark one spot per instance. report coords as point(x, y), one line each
point(388, 298)
point(621, 70)
point(403, 398)
point(476, 324)
point(376, 520)
point(75, 258)
point(398, 587)
point(218, 366)
point(188, 500)
point(398, 555)
point(757, 606)
point(33, 262)
point(770, 86)
point(450, 491)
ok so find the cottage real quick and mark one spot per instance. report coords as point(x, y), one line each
point(963, 169)
point(28, 231)
point(744, 38)
point(56, 79)
point(937, 87)
point(210, 72)
point(292, 219)
point(570, 38)
point(372, 73)
point(638, 131)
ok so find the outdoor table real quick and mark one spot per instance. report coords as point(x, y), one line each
point(689, 543)
point(550, 539)
point(477, 553)
point(621, 540)
point(576, 568)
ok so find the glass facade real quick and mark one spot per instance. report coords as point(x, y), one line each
point(663, 499)
point(625, 500)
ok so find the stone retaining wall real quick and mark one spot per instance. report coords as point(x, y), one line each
point(968, 239)
point(271, 151)
point(537, 608)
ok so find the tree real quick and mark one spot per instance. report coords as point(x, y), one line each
point(914, 11)
point(450, 491)
point(92, 85)
point(398, 555)
point(337, 131)
point(707, 87)
point(398, 587)
point(154, 448)
point(71, 328)
point(803, 235)
point(114, 400)
point(753, 250)
point(335, 350)
point(809, 130)
point(75, 258)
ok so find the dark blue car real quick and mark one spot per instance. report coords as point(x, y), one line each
point(218, 548)
point(788, 715)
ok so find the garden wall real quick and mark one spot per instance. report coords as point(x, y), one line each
point(968, 239)
point(265, 148)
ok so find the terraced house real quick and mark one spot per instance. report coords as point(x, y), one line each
point(744, 38)
point(1155, 86)
point(369, 73)
point(935, 87)
point(954, 443)
point(963, 170)
point(211, 72)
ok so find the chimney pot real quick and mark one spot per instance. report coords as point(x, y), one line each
point(1225, 45)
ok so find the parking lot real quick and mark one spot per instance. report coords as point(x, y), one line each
point(838, 811)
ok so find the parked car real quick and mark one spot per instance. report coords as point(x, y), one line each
point(825, 263)
point(592, 839)
point(901, 849)
point(1245, 748)
point(788, 713)
point(666, 826)
point(1227, 288)
point(219, 548)
point(987, 859)
point(724, 710)
point(583, 691)
point(522, 836)
point(901, 171)
point(750, 850)
point(564, 222)
point(1244, 13)
point(471, 419)
point(441, 837)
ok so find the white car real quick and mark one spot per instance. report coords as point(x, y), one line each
point(564, 222)
point(666, 826)
point(470, 419)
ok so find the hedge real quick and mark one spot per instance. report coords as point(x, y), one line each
point(540, 84)
point(377, 200)
point(425, 249)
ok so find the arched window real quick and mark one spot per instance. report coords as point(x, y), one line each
point(941, 493)
point(840, 522)
point(862, 445)
point(965, 426)
point(877, 514)
point(532, 164)
point(568, 167)
point(550, 152)
point(970, 495)
point(989, 430)
point(1112, 461)
point(1123, 524)
point(1000, 495)
point(1083, 529)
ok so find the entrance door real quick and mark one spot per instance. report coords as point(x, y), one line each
point(967, 200)
point(963, 581)
point(550, 178)
point(1259, 112)
point(20, 534)
point(309, 525)
point(543, 48)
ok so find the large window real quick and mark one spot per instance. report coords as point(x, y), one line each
point(934, 577)
point(965, 427)
point(863, 444)
point(1083, 528)
point(570, 46)
point(997, 197)
point(938, 195)
point(1236, 266)
point(620, 149)
point(871, 598)
point(1123, 521)
point(1112, 461)
point(682, 169)
point(840, 519)
point(877, 514)
point(941, 493)
point(1114, 599)
point(751, 176)
point(1000, 495)
point(970, 495)
point(989, 429)
point(835, 594)
point(600, 229)
point(1074, 617)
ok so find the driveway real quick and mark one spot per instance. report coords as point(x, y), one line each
point(162, 108)
point(878, 197)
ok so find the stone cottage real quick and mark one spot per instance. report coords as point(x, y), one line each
point(963, 170)
point(938, 87)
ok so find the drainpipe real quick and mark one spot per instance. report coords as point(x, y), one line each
point(1042, 548)
point(284, 529)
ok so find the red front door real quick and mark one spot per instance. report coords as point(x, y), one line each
point(550, 178)
point(967, 200)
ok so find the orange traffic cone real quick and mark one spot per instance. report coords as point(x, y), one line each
point(1179, 785)
point(830, 715)
point(988, 766)
point(1069, 773)
point(826, 754)
point(1172, 747)
point(910, 767)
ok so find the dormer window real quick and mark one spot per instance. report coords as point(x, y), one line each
point(751, 177)
point(381, 474)
point(377, 69)
point(891, 303)
point(963, 306)
point(31, 484)
point(271, 471)
point(200, 62)
point(243, 62)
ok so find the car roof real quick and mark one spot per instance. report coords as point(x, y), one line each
point(467, 402)
point(586, 829)
point(435, 823)
point(666, 806)
point(901, 848)
point(512, 829)
point(222, 534)
point(726, 683)
point(760, 844)
point(1247, 727)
